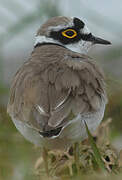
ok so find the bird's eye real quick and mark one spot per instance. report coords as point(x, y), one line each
point(69, 33)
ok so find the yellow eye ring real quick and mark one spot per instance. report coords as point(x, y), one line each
point(69, 30)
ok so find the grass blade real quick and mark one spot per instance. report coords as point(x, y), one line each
point(95, 149)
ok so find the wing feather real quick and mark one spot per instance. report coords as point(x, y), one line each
point(46, 96)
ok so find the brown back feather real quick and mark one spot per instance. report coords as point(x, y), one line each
point(61, 82)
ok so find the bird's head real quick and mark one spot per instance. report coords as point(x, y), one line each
point(71, 33)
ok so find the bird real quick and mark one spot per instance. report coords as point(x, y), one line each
point(59, 88)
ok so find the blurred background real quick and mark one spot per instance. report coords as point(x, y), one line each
point(19, 21)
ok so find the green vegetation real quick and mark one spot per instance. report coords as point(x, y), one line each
point(19, 158)
point(97, 159)
point(96, 152)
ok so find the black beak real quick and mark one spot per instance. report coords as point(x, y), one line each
point(97, 40)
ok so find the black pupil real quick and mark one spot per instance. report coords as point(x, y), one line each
point(69, 33)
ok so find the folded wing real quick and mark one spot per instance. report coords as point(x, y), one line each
point(48, 98)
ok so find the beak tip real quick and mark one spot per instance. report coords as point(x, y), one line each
point(108, 43)
point(98, 40)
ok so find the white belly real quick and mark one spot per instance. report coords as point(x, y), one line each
point(73, 132)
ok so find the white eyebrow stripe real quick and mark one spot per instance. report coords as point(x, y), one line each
point(62, 26)
point(59, 27)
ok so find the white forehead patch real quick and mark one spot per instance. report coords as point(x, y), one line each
point(85, 30)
